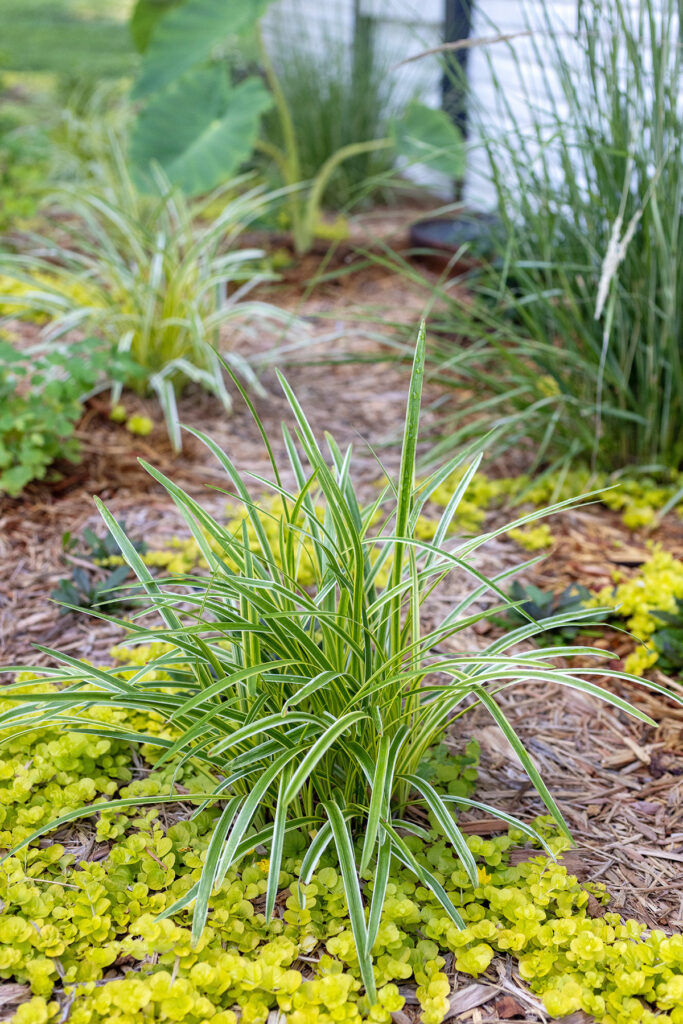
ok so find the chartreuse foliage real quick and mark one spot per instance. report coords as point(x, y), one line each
point(650, 601)
point(66, 922)
point(640, 498)
point(13, 292)
point(311, 709)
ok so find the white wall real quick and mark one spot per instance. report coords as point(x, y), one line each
point(402, 28)
point(528, 81)
point(316, 21)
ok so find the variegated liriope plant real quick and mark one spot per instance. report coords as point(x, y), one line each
point(311, 707)
point(158, 278)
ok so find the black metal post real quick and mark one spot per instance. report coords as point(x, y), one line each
point(457, 26)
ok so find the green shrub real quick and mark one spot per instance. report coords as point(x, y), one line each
point(89, 131)
point(313, 707)
point(575, 328)
point(41, 401)
point(139, 272)
point(23, 157)
point(66, 39)
point(667, 639)
point(21, 174)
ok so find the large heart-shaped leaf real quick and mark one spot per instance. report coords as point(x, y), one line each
point(199, 130)
point(144, 18)
point(188, 34)
point(427, 136)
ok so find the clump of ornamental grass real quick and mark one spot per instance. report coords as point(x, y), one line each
point(146, 275)
point(581, 300)
point(310, 708)
point(356, 97)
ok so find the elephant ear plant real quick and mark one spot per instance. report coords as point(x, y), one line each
point(206, 79)
point(310, 708)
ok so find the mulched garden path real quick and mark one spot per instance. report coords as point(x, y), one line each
point(619, 783)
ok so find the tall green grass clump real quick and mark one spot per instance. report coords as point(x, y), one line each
point(576, 325)
point(310, 708)
point(337, 96)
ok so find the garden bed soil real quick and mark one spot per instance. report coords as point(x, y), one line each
point(619, 783)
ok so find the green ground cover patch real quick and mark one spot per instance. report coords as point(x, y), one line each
point(84, 933)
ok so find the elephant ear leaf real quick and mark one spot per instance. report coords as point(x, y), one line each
point(146, 14)
point(186, 34)
point(199, 130)
point(424, 135)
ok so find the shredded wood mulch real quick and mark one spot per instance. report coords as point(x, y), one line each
point(619, 783)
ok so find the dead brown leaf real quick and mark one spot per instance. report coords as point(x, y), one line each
point(508, 1007)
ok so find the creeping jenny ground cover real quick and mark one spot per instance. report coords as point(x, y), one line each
point(300, 721)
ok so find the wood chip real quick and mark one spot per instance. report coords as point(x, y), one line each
point(399, 1017)
point(641, 754)
point(467, 998)
point(664, 854)
point(13, 994)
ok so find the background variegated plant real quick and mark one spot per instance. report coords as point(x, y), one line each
point(151, 278)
